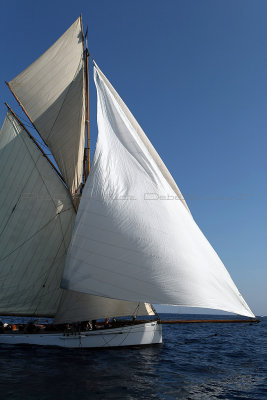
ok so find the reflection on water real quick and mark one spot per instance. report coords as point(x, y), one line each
point(195, 362)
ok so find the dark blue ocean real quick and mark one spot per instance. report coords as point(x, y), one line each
point(200, 361)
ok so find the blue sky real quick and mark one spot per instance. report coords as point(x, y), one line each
point(194, 75)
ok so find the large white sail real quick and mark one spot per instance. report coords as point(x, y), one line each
point(76, 306)
point(36, 221)
point(133, 238)
point(52, 92)
point(148, 145)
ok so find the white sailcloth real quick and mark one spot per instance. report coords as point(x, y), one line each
point(148, 145)
point(76, 306)
point(128, 245)
point(52, 92)
point(36, 221)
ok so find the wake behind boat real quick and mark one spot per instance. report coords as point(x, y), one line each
point(81, 242)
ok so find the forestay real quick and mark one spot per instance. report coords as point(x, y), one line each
point(76, 307)
point(52, 92)
point(129, 242)
point(36, 221)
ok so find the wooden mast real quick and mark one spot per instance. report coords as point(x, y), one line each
point(87, 113)
point(35, 142)
point(86, 159)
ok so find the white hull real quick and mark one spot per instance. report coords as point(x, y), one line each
point(141, 334)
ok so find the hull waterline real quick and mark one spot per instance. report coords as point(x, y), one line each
point(135, 335)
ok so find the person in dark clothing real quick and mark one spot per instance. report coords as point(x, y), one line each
point(94, 324)
point(30, 327)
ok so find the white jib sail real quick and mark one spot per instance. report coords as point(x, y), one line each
point(76, 307)
point(36, 221)
point(133, 238)
point(52, 92)
point(148, 145)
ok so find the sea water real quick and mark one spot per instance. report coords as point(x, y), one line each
point(196, 361)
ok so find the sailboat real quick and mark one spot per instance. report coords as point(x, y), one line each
point(81, 242)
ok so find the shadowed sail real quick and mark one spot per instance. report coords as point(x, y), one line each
point(76, 306)
point(36, 221)
point(52, 92)
point(127, 245)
